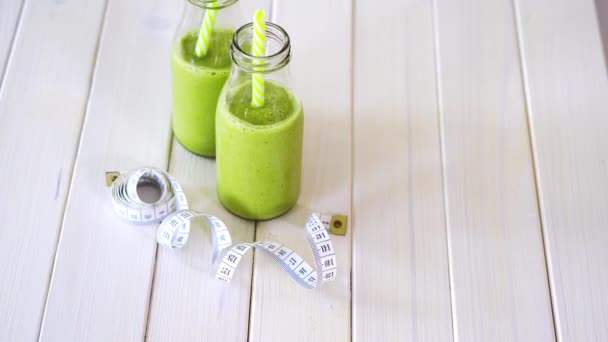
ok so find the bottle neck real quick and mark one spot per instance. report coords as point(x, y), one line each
point(228, 16)
point(278, 49)
point(212, 4)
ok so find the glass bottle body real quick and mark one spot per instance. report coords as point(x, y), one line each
point(259, 149)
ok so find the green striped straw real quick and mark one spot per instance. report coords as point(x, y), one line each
point(204, 35)
point(259, 50)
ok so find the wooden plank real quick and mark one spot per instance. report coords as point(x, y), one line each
point(10, 12)
point(42, 102)
point(498, 274)
point(567, 90)
point(401, 287)
point(321, 76)
point(104, 266)
point(187, 302)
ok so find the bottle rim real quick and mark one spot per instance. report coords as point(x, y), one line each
point(206, 4)
point(245, 60)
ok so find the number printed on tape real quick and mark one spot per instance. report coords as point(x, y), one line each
point(174, 215)
point(283, 252)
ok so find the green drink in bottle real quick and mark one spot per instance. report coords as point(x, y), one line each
point(259, 128)
point(200, 65)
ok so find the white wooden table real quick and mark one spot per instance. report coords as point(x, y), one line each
point(466, 140)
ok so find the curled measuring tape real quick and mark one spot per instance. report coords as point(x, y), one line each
point(174, 215)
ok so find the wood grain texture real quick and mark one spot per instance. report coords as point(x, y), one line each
point(188, 303)
point(401, 287)
point(10, 11)
point(42, 102)
point(321, 65)
point(567, 88)
point(498, 275)
point(103, 269)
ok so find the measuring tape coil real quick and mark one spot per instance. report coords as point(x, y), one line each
point(174, 215)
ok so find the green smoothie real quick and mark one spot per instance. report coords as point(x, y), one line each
point(197, 84)
point(259, 151)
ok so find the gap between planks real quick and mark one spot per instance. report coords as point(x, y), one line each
point(151, 288)
point(444, 182)
point(533, 153)
point(13, 40)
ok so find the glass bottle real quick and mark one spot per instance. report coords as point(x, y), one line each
point(259, 149)
point(198, 80)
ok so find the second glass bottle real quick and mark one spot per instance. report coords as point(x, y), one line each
point(198, 76)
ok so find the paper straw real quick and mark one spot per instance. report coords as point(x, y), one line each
point(204, 35)
point(259, 50)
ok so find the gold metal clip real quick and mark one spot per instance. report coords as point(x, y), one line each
point(338, 224)
point(111, 177)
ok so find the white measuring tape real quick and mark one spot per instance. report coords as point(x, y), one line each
point(174, 215)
